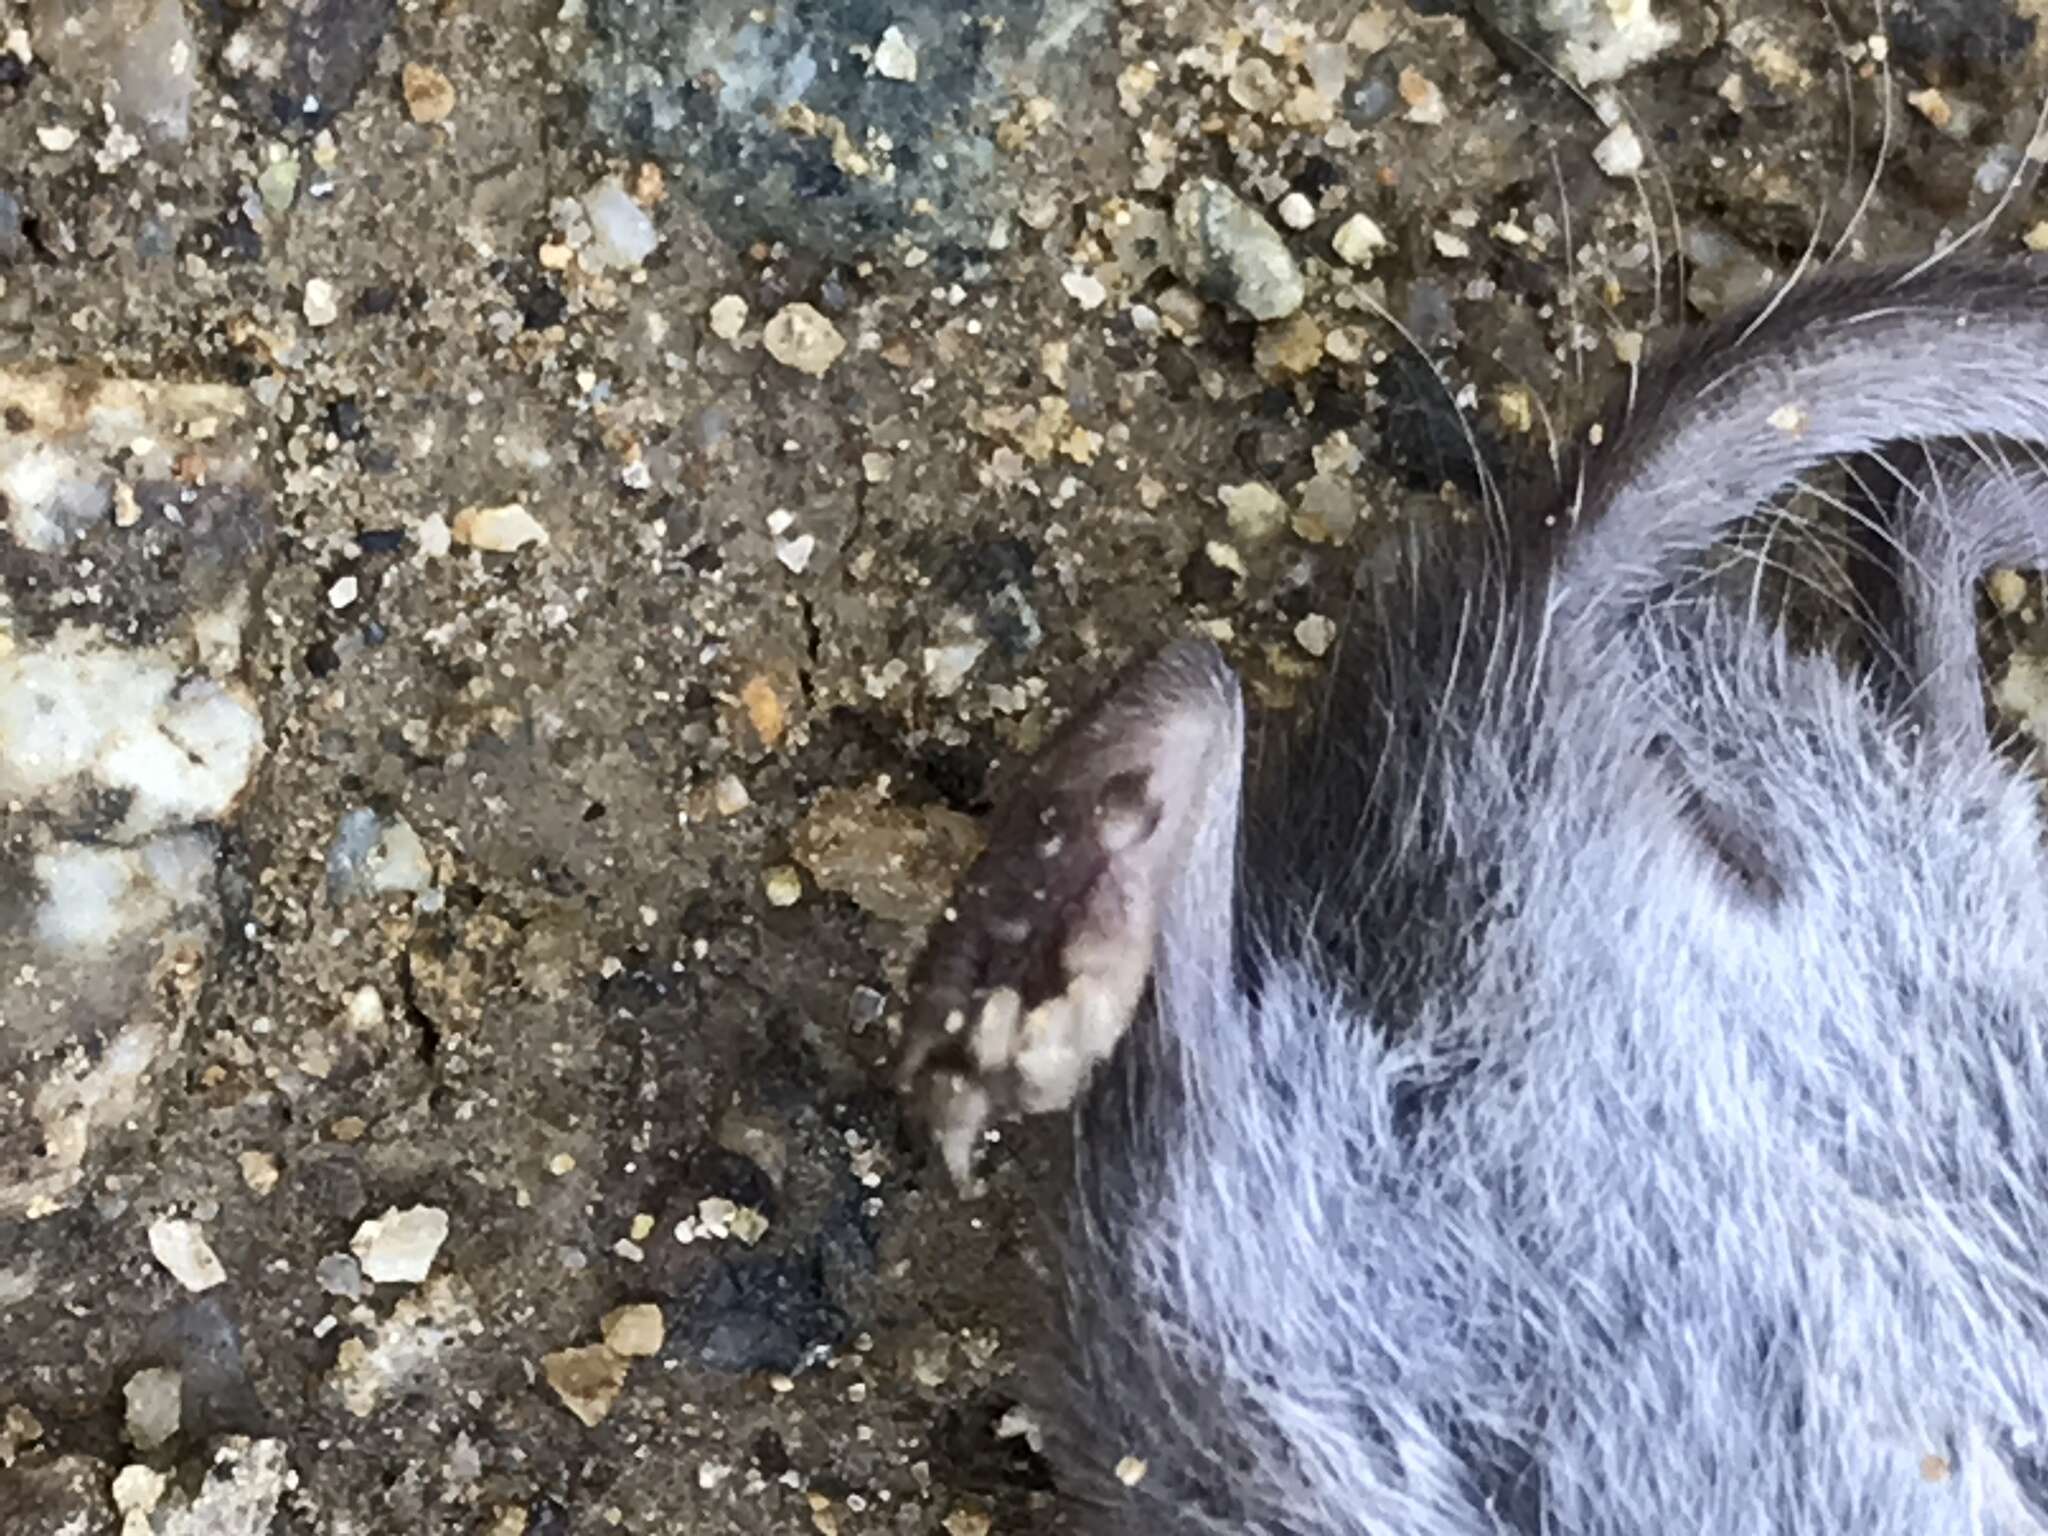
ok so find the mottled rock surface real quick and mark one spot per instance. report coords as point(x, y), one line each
point(836, 127)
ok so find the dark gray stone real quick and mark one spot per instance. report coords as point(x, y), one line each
point(741, 111)
point(1958, 42)
point(296, 65)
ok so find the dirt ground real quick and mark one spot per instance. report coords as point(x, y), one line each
point(529, 529)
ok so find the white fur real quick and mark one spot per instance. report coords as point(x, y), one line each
point(1737, 1215)
point(1626, 1199)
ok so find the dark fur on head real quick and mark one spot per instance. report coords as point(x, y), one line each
point(1597, 1086)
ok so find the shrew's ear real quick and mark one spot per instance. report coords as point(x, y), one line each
point(1113, 858)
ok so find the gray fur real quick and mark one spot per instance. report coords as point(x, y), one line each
point(1616, 1100)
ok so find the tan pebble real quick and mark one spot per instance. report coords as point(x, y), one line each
point(429, 94)
point(634, 1331)
point(1288, 349)
point(784, 886)
point(1517, 409)
point(1932, 105)
point(1131, 1471)
point(799, 337)
point(259, 1171)
point(588, 1380)
point(728, 316)
point(1358, 240)
point(1255, 511)
point(764, 709)
point(138, 1490)
point(1425, 101)
point(497, 529)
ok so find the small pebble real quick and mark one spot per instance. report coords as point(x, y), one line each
point(1425, 102)
point(435, 540)
point(587, 1380)
point(1255, 511)
point(784, 886)
point(365, 1008)
point(1130, 1471)
point(1226, 248)
point(498, 529)
point(730, 796)
point(1289, 349)
point(1932, 105)
point(764, 709)
point(181, 1247)
point(1085, 289)
point(259, 1171)
point(338, 1274)
point(57, 139)
point(622, 235)
point(801, 338)
point(398, 1247)
point(342, 593)
point(278, 183)
point(138, 1490)
point(895, 59)
point(1358, 240)
point(321, 308)
point(152, 1399)
point(728, 317)
point(1296, 211)
point(429, 94)
point(1315, 634)
point(634, 1330)
point(1620, 154)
